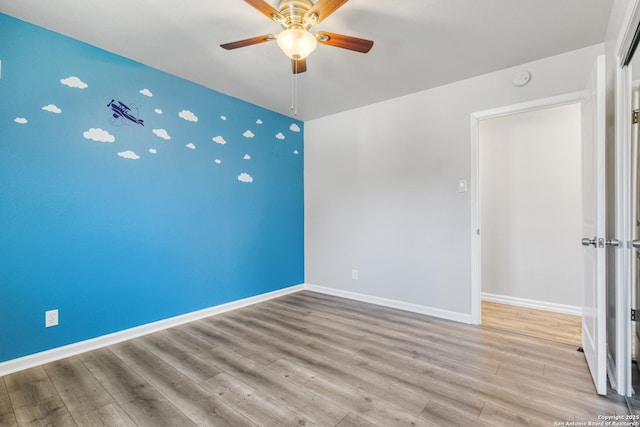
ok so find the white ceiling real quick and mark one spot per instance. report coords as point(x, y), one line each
point(419, 44)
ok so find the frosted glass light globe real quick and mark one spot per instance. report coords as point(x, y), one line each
point(296, 43)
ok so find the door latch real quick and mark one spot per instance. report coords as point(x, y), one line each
point(614, 243)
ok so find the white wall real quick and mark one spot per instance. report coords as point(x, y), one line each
point(530, 212)
point(381, 186)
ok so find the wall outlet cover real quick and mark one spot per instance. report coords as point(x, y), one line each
point(51, 318)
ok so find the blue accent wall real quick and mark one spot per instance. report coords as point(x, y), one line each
point(117, 223)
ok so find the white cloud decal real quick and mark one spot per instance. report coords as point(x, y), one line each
point(128, 155)
point(75, 82)
point(188, 116)
point(52, 109)
point(190, 145)
point(296, 152)
point(223, 117)
point(248, 134)
point(153, 150)
point(146, 92)
point(161, 133)
point(218, 161)
point(245, 177)
point(247, 157)
point(158, 111)
point(99, 135)
point(280, 135)
point(219, 140)
point(294, 127)
point(21, 120)
point(259, 121)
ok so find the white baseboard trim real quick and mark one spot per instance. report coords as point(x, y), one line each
point(58, 353)
point(415, 308)
point(536, 305)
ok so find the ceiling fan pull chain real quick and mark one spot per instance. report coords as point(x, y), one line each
point(293, 76)
point(294, 92)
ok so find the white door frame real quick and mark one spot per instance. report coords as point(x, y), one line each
point(623, 188)
point(474, 176)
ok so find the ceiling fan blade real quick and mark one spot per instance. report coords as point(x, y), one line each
point(344, 42)
point(299, 66)
point(324, 8)
point(248, 42)
point(266, 9)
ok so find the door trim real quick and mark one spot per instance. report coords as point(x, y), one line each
point(474, 177)
point(622, 155)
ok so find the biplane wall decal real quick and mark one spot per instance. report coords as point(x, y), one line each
point(123, 114)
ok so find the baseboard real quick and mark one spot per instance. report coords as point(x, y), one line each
point(536, 305)
point(414, 308)
point(58, 353)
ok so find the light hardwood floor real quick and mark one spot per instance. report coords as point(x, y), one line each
point(563, 328)
point(312, 359)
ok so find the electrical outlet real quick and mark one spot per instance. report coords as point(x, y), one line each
point(355, 274)
point(51, 318)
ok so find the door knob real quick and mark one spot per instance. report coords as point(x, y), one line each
point(592, 242)
point(636, 244)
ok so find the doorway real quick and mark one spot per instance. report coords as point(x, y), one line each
point(524, 195)
point(530, 209)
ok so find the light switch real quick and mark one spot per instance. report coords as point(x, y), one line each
point(462, 186)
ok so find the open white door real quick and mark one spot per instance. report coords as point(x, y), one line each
point(594, 340)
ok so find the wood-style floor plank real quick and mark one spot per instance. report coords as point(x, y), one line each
point(352, 420)
point(28, 387)
point(259, 408)
point(109, 415)
point(363, 404)
point(77, 387)
point(180, 358)
point(7, 417)
point(47, 412)
point(201, 407)
point(330, 364)
point(559, 327)
point(142, 403)
point(314, 360)
point(316, 408)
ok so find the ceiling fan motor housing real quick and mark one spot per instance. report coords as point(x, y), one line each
point(294, 12)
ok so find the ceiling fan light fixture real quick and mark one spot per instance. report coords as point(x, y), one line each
point(297, 43)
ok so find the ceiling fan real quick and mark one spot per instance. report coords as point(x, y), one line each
point(297, 17)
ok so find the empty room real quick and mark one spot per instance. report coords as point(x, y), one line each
point(271, 213)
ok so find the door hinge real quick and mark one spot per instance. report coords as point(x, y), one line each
point(634, 315)
point(634, 116)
